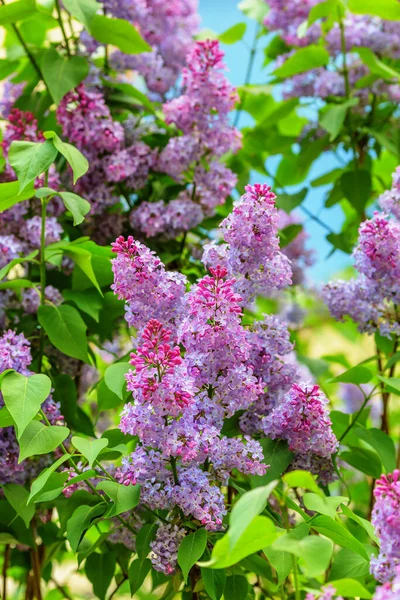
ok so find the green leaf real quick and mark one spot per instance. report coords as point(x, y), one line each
point(40, 482)
point(6, 419)
point(16, 11)
point(323, 505)
point(23, 397)
point(338, 534)
point(375, 65)
point(233, 34)
point(10, 195)
point(315, 552)
point(248, 506)
point(281, 561)
point(385, 9)
point(62, 74)
point(363, 460)
point(41, 439)
point(138, 571)
point(356, 375)
point(53, 488)
point(120, 33)
point(82, 10)
point(77, 206)
point(114, 378)
point(259, 534)
point(289, 202)
point(45, 6)
point(366, 525)
point(382, 444)
point(16, 261)
point(351, 588)
point(88, 302)
point(17, 496)
point(190, 550)
point(124, 89)
point(89, 448)
point(302, 479)
point(391, 383)
point(278, 456)
point(236, 588)
point(254, 9)
point(348, 564)
point(356, 187)
point(66, 330)
point(125, 497)
point(322, 10)
point(99, 569)
point(16, 284)
point(289, 233)
point(76, 160)
point(333, 117)
point(305, 59)
point(30, 159)
point(145, 535)
point(81, 520)
point(214, 582)
point(83, 258)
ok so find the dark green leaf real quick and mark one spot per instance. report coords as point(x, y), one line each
point(333, 117)
point(363, 460)
point(99, 569)
point(356, 187)
point(214, 582)
point(78, 163)
point(138, 571)
point(356, 375)
point(42, 479)
point(62, 74)
point(17, 496)
point(66, 330)
point(382, 444)
point(338, 533)
point(236, 588)
point(88, 302)
point(348, 564)
point(81, 520)
point(190, 550)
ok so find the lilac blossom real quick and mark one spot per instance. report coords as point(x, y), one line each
point(385, 519)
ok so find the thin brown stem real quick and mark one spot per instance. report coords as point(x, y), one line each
point(36, 568)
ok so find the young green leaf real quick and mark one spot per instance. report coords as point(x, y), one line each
point(323, 505)
point(66, 330)
point(82, 10)
point(356, 375)
point(233, 34)
point(89, 448)
point(40, 482)
point(78, 163)
point(76, 205)
point(10, 194)
point(30, 159)
point(385, 9)
point(214, 582)
point(114, 378)
point(120, 33)
point(125, 497)
point(351, 588)
point(16, 11)
point(303, 60)
point(190, 550)
point(41, 439)
point(23, 397)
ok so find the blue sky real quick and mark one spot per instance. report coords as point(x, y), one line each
point(219, 15)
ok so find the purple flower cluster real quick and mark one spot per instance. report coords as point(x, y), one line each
point(31, 298)
point(251, 253)
point(382, 37)
point(15, 354)
point(302, 419)
point(168, 27)
point(389, 590)
point(371, 299)
point(328, 593)
point(389, 201)
point(386, 520)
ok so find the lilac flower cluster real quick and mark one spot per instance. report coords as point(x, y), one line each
point(389, 201)
point(168, 27)
point(385, 519)
point(251, 253)
point(302, 419)
point(389, 590)
point(328, 593)
point(195, 365)
point(371, 299)
point(201, 113)
point(15, 354)
point(382, 37)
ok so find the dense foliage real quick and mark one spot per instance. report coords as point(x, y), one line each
point(182, 412)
